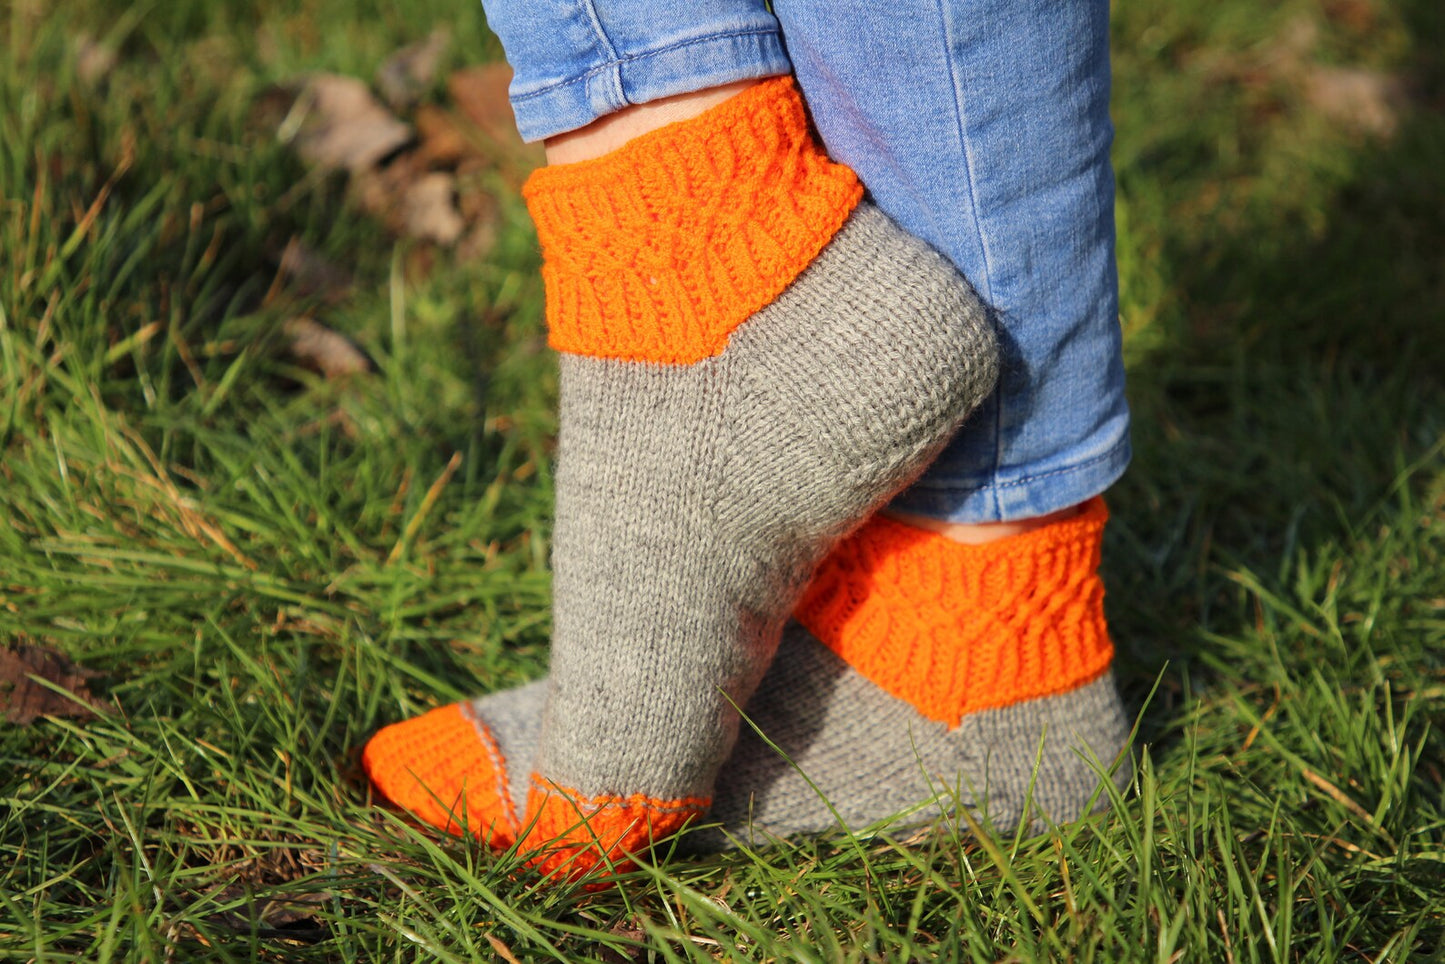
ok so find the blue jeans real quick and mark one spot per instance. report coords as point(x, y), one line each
point(981, 126)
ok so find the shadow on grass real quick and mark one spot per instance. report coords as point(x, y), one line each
point(1300, 389)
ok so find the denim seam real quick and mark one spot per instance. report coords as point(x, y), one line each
point(609, 51)
point(619, 60)
point(1028, 479)
point(961, 118)
point(961, 121)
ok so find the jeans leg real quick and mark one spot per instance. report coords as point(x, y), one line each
point(982, 127)
point(577, 60)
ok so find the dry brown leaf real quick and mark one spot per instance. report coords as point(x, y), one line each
point(405, 75)
point(1365, 100)
point(375, 192)
point(436, 191)
point(429, 210)
point(295, 909)
point(323, 350)
point(502, 950)
point(442, 142)
point(25, 700)
point(628, 930)
point(481, 94)
point(380, 191)
point(483, 215)
point(311, 275)
point(339, 125)
point(1357, 16)
point(93, 60)
point(479, 242)
point(1357, 98)
point(287, 916)
point(474, 196)
point(1295, 43)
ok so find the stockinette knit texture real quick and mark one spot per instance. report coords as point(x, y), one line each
point(751, 365)
point(824, 744)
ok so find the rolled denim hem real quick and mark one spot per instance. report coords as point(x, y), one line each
point(1023, 498)
point(680, 68)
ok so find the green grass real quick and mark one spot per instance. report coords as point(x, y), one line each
point(247, 557)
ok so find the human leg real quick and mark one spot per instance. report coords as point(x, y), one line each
point(749, 368)
point(983, 129)
point(576, 62)
point(1015, 728)
point(1003, 715)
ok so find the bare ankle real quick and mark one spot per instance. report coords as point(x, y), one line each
point(979, 533)
point(608, 133)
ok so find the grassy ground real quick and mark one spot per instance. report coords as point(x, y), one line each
point(261, 566)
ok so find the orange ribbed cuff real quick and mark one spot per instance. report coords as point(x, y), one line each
point(954, 628)
point(659, 250)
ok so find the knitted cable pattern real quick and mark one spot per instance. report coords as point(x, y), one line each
point(954, 628)
point(659, 250)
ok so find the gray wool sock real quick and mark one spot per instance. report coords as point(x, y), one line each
point(693, 502)
point(845, 753)
point(849, 752)
point(752, 362)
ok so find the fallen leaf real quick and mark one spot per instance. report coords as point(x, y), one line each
point(412, 199)
point(336, 124)
point(93, 60)
point(1357, 98)
point(475, 198)
point(295, 909)
point(429, 210)
point(502, 950)
point(1294, 44)
point(25, 700)
point(628, 930)
point(378, 190)
point(260, 877)
point(405, 75)
point(419, 263)
point(311, 275)
point(375, 191)
point(479, 242)
point(442, 142)
point(1364, 100)
point(1357, 16)
point(480, 210)
point(434, 187)
point(323, 350)
point(271, 108)
point(480, 92)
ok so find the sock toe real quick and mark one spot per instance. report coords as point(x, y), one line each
point(446, 768)
point(570, 834)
